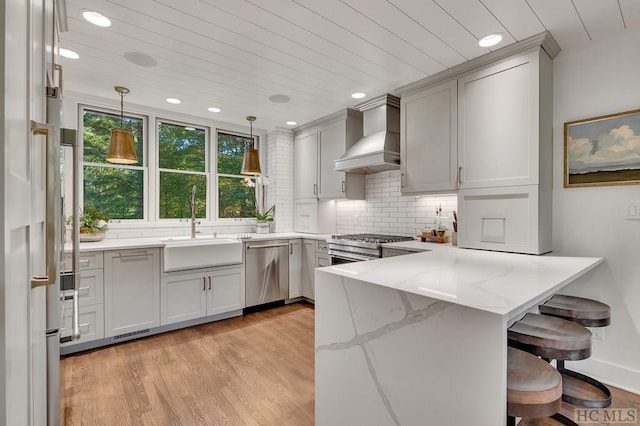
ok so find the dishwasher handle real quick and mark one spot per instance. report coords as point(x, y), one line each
point(267, 246)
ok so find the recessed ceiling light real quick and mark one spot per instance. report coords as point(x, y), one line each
point(291, 123)
point(358, 95)
point(279, 99)
point(96, 18)
point(141, 59)
point(66, 53)
point(173, 101)
point(490, 40)
point(214, 109)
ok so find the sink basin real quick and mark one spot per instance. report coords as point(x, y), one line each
point(181, 253)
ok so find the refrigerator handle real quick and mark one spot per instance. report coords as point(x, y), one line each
point(75, 238)
point(40, 129)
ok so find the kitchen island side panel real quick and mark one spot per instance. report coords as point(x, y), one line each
point(387, 357)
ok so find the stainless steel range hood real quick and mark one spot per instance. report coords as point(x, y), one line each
point(379, 149)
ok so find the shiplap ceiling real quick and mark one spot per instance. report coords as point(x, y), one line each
point(235, 54)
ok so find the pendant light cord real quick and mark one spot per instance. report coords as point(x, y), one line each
point(121, 110)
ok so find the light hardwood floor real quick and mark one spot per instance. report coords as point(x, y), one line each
point(252, 370)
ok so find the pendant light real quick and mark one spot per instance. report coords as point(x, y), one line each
point(121, 150)
point(251, 159)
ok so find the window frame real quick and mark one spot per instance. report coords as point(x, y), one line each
point(206, 173)
point(143, 167)
point(256, 145)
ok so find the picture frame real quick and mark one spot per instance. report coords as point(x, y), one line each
point(602, 151)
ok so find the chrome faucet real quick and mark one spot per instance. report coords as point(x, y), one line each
point(193, 211)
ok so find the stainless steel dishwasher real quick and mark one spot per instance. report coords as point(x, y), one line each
point(266, 272)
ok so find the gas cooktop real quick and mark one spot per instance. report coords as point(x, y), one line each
point(369, 238)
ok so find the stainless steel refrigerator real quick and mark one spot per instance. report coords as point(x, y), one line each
point(58, 141)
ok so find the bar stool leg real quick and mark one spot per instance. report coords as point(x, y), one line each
point(582, 402)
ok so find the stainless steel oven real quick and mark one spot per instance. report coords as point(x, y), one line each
point(358, 247)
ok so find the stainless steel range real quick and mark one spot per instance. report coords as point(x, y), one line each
point(356, 247)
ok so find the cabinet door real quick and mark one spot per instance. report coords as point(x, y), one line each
point(308, 267)
point(306, 165)
point(183, 297)
point(227, 291)
point(90, 291)
point(295, 268)
point(91, 321)
point(498, 124)
point(428, 138)
point(132, 291)
point(331, 140)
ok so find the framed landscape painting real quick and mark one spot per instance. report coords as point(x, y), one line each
point(602, 150)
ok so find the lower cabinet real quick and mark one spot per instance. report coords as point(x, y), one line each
point(131, 291)
point(308, 267)
point(91, 321)
point(187, 296)
point(295, 268)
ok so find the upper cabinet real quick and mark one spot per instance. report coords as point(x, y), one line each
point(316, 148)
point(306, 164)
point(499, 122)
point(428, 139)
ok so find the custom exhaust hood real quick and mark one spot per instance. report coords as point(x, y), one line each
point(379, 149)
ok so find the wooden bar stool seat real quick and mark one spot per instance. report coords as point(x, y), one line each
point(587, 312)
point(580, 389)
point(534, 388)
point(550, 337)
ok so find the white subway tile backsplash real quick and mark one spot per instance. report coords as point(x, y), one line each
point(385, 210)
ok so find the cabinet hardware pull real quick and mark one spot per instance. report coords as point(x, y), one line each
point(265, 246)
point(204, 284)
point(124, 254)
point(460, 175)
point(209, 283)
point(51, 274)
point(343, 188)
point(315, 189)
point(402, 180)
point(84, 262)
point(290, 248)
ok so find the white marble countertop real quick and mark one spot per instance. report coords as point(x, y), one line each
point(149, 242)
point(502, 283)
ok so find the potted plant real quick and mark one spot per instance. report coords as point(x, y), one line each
point(263, 215)
point(93, 224)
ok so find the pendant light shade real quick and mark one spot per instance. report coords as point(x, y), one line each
point(251, 158)
point(121, 147)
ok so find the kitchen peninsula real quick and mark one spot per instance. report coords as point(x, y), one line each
point(421, 338)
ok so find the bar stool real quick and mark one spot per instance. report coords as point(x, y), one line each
point(589, 313)
point(534, 388)
point(551, 338)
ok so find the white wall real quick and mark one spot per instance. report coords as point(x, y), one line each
point(591, 221)
point(386, 211)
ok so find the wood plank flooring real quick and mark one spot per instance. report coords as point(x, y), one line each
point(251, 370)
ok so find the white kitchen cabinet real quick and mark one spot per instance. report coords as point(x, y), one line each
point(306, 165)
point(295, 268)
point(90, 320)
point(131, 290)
point(428, 140)
point(315, 216)
point(308, 268)
point(183, 297)
point(504, 134)
point(334, 140)
point(227, 291)
point(192, 295)
point(512, 219)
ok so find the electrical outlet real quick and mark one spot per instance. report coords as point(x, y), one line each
point(597, 333)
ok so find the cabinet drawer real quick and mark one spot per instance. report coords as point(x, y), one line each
point(502, 219)
point(91, 320)
point(322, 260)
point(91, 290)
point(89, 260)
point(321, 247)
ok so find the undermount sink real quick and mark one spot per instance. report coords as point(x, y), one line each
point(181, 253)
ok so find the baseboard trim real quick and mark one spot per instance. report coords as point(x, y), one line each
point(615, 375)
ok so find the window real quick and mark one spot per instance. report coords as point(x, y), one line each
point(115, 189)
point(235, 199)
point(182, 163)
